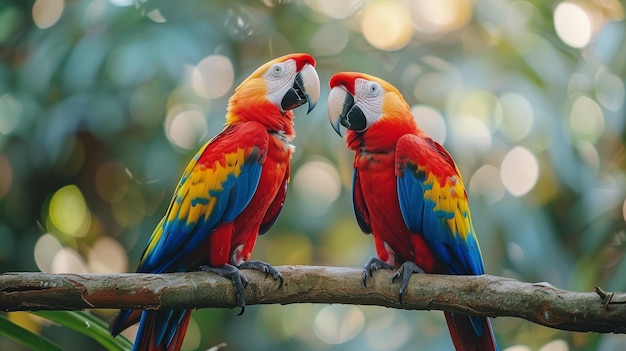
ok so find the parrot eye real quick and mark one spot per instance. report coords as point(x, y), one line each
point(277, 70)
point(374, 89)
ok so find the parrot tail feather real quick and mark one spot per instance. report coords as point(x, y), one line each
point(162, 330)
point(471, 333)
point(123, 320)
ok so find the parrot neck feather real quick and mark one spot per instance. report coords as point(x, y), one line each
point(249, 103)
point(383, 135)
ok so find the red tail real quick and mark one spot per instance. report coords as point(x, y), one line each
point(464, 334)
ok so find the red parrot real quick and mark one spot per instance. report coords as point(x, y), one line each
point(230, 192)
point(407, 192)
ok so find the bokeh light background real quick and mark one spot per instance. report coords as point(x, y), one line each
point(103, 102)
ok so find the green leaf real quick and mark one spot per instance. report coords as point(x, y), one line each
point(26, 337)
point(89, 325)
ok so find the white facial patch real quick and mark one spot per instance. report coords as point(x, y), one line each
point(368, 95)
point(280, 77)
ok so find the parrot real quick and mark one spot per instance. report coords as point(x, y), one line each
point(408, 193)
point(230, 192)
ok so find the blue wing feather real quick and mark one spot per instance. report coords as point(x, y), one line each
point(410, 195)
point(457, 249)
point(243, 187)
point(212, 201)
point(452, 242)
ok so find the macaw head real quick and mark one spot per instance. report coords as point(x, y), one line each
point(365, 105)
point(274, 89)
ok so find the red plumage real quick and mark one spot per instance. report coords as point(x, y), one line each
point(408, 193)
point(231, 191)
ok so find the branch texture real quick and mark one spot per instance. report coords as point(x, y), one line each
point(485, 295)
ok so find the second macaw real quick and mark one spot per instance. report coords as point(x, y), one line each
point(407, 192)
point(231, 191)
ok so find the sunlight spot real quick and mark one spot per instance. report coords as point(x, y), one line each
point(47, 12)
point(589, 155)
point(555, 345)
point(317, 184)
point(479, 104)
point(578, 83)
point(435, 87)
point(515, 253)
point(517, 116)
point(107, 256)
point(572, 24)
point(518, 348)
point(609, 89)
point(519, 16)
point(122, 3)
point(10, 113)
point(156, 16)
point(486, 182)
point(213, 76)
point(586, 119)
point(390, 331)
point(442, 15)
point(431, 121)
point(471, 132)
point(95, 11)
point(292, 325)
point(68, 211)
point(386, 25)
point(67, 260)
point(185, 126)
point(337, 324)
point(46, 248)
point(335, 9)
point(519, 171)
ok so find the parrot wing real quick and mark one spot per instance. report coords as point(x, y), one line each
point(434, 203)
point(360, 210)
point(276, 206)
point(216, 187)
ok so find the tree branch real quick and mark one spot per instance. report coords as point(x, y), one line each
point(485, 295)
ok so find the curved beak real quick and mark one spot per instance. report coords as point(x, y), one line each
point(306, 88)
point(343, 112)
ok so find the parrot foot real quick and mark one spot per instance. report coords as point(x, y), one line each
point(239, 281)
point(263, 268)
point(373, 264)
point(404, 272)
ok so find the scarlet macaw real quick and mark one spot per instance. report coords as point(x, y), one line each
point(231, 191)
point(407, 192)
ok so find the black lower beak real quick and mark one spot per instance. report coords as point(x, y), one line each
point(295, 97)
point(352, 117)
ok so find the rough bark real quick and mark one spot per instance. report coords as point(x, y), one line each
point(485, 295)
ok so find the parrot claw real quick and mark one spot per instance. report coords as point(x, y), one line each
point(264, 268)
point(239, 281)
point(373, 264)
point(404, 272)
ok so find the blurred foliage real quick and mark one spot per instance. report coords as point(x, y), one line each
point(25, 337)
point(103, 102)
